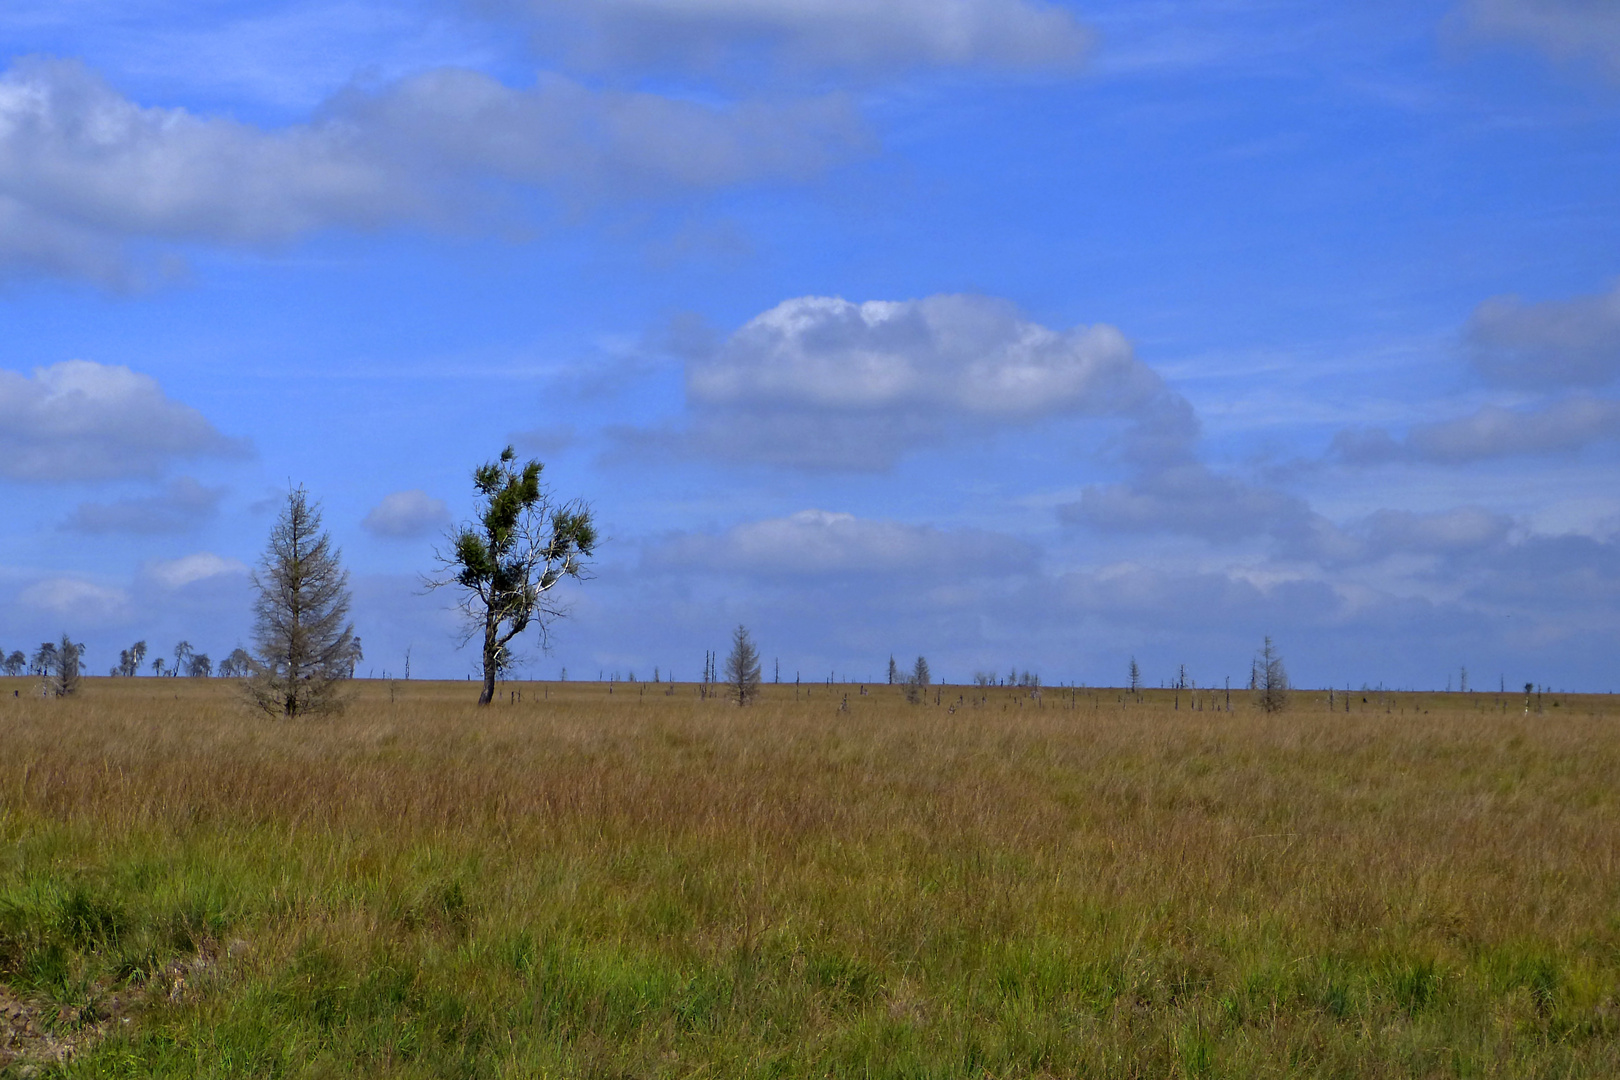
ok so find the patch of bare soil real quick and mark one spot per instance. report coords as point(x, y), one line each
point(35, 1033)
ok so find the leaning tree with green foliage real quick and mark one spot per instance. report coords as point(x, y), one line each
point(301, 633)
point(509, 558)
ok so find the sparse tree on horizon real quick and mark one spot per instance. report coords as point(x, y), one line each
point(43, 660)
point(918, 681)
point(1270, 679)
point(1136, 677)
point(16, 663)
point(301, 634)
point(238, 665)
point(182, 658)
point(742, 667)
point(894, 670)
point(507, 560)
point(130, 660)
point(61, 668)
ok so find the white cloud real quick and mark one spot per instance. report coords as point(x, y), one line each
point(845, 34)
point(823, 382)
point(964, 354)
point(406, 514)
point(184, 504)
point(84, 170)
point(1587, 30)
point(189, 569)
point(1555, 344)
point(79, 420)
point(1491, 432)
point(76, 598)
point(817, 542)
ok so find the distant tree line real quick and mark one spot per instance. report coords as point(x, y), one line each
point(188, 663)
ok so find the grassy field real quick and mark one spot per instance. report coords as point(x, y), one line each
point(649, 884)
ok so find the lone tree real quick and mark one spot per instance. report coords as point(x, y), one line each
point(301, 633)
point(742, 667)
point(1270, 679)
point(918, 681)
point(508, 559)
point(61, 668)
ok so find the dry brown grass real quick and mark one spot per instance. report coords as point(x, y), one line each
point(643, 883)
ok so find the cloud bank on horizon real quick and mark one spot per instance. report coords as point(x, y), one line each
point(1000, 338)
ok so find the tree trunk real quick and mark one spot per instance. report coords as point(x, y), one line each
point(492, 650)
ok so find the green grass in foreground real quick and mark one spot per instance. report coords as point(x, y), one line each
point(652, 885)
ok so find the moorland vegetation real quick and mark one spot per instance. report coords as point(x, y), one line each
point(646, 880)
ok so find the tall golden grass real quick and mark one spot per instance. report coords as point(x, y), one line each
point(828, 882)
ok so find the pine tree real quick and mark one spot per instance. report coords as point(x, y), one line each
point(918, 681)
point(301, 632)
point(1271, 679)
point(62, 668)
point(742, 667)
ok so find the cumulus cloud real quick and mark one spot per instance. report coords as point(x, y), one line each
point(190, 569)
point(406, 514)
point(1583, 30)
point(1147, 596)
point(182, 505)
point(84, 170)
point(1570, 579)
point(817, 542)
point(86, 602)
point(79, 420)
point(823, 382)
point(1492, 432)
point(1438, 539)
point(1556, 344)
point(1188, 499)
point(1464, 528)
point(845, 34)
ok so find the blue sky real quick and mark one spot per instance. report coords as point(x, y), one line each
point(1016, 334)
